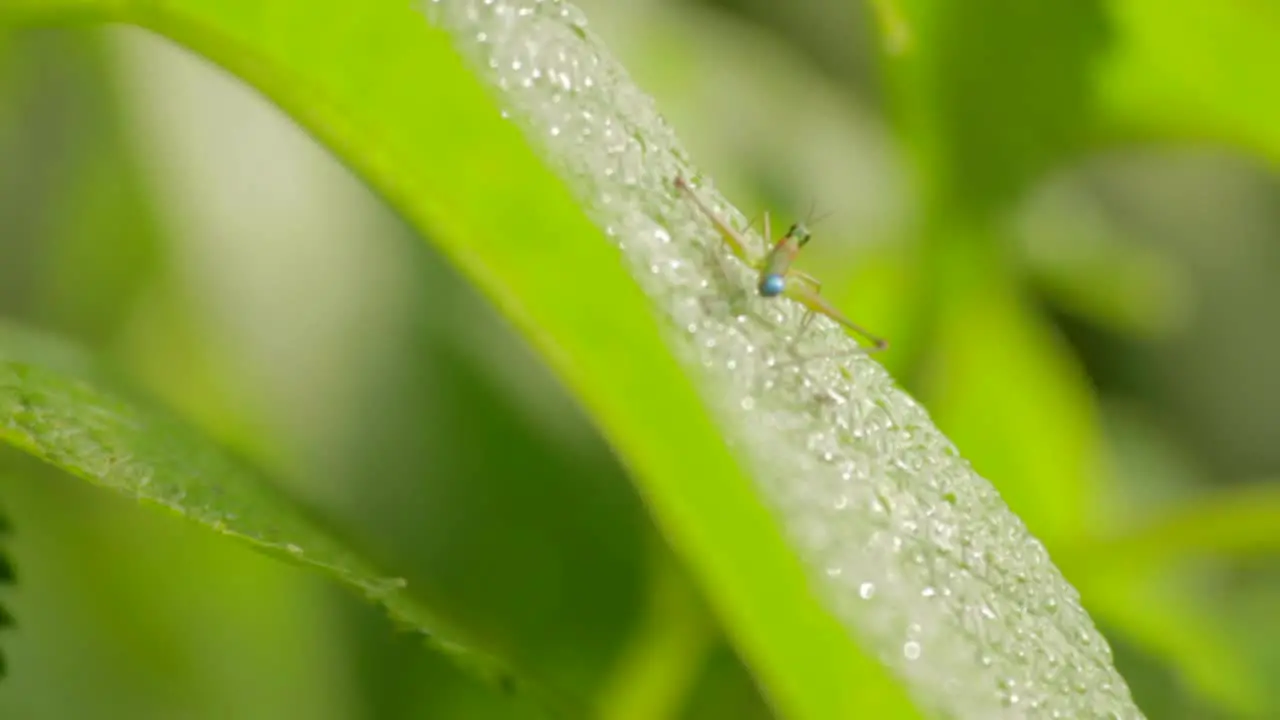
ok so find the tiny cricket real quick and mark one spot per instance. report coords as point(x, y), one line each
point(776, 276)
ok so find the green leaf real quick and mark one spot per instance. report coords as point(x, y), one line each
point(1240, 521)
point(57, 406)
point(1008, 390)
point(388, 93)
point(914, 553)
point(1200, 71)
point(50, 205)
point(993, 94)
point(7, 579)
point(1087, 266)
point(1167, 621)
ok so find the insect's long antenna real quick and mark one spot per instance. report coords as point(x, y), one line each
point(810, 219)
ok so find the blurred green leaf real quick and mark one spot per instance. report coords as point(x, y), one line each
point(7, 577)
point(1239, 521)
point(894, 26)
point(1012, 397)
point(76, 224)
point(1121, 577)
point(657, 675)
point(1200, 71)
point(882, 293)
point(1088, 267)
point(1166, 620)
point(388, 93)
point(57, 406)
point(725, 690)
point(993, 93)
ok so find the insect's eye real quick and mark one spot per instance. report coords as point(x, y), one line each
point(800, 233)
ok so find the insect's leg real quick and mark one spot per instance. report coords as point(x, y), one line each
point(735, 240)
point(814, 283)
point(809, 297)
point(805, 322)
point(816, 286)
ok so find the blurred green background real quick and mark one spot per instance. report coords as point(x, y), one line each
point(1075, 257)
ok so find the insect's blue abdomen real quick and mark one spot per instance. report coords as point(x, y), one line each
point(772, 285)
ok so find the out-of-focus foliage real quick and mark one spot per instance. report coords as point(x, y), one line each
point(350, 76)
point(1064, 214)
point(7, 577)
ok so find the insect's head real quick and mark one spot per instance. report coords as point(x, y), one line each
point(800, 232)
point(772, 285)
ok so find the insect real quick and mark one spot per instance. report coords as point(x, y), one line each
point(776, 276)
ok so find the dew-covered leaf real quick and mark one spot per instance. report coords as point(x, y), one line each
point(917, 556)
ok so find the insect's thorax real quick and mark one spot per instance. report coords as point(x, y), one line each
point(781, 255)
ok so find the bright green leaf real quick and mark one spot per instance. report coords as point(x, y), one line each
point(1010, 393)
point(1239, 521)
point(1202, 71)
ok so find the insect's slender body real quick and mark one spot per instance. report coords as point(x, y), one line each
point(777, 262)
point(776, 276)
